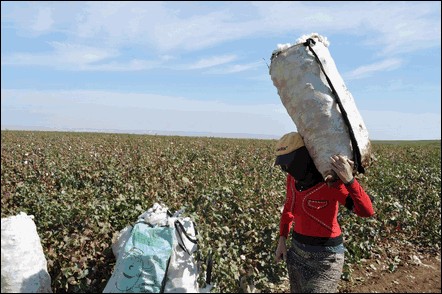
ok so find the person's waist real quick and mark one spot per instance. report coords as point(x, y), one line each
point(318, 241)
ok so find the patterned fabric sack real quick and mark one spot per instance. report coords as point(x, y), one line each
point(182, 276)
point(156, 255)
point(143, 264)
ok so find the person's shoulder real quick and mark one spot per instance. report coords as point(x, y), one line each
point(336, 185)
point(290, 178)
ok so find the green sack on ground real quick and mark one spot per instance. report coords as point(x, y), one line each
point(144, 262)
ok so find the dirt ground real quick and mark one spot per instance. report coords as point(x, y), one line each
point(423, 275)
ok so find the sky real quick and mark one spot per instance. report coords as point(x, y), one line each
point(201, 67)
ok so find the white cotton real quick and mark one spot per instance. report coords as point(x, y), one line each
point(280, 47)
point(315, 36)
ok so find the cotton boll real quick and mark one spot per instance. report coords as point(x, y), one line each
point(281, 47)
point(315, 36)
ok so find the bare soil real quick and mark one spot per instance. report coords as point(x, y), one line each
point(416, 273)
point(420, 275)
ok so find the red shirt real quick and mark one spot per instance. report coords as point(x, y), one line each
point(314, 211)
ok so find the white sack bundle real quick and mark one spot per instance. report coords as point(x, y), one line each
point(301, 81)
point(24, 266)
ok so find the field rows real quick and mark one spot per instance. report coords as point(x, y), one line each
point(83, 188)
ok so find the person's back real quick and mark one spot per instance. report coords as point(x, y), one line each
point(316, 256)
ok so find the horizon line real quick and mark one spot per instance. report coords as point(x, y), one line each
point(170, 133)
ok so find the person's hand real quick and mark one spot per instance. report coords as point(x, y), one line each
point(343, 167)
point(281, 250)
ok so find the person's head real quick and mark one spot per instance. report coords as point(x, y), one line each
point(293, 157)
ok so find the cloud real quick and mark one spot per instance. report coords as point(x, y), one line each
point(131, 65)
point(235, 68)
point(63, 55)
point(167, 27)
point(34, 19)
point(393, 125)
point(368, 70)
point(134, 111)
point(43, 20)
point(393, 27)
point(34, 98)
point(212, 61)
point(75, 57)
point(94, 36)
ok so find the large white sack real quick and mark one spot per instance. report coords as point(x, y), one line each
point(308, 99)
point(23, 263)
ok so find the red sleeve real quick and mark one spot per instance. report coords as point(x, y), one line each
point(287, 214)
point(362, 203)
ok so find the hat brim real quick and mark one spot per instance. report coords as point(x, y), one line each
point(285, 159)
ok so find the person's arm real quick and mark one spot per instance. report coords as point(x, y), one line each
point(281, 250)
point(357, 200)
point(286, 216)
point(284, 224)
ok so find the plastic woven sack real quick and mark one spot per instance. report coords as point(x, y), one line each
point(182, 270)
point(143, 263)
point(309, 86)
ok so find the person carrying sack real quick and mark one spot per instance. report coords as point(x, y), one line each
point(315, 258)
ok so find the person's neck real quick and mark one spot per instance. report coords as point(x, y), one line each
point(300, 186)
point(310, 180)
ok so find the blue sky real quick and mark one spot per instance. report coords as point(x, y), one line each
point(201, 67)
